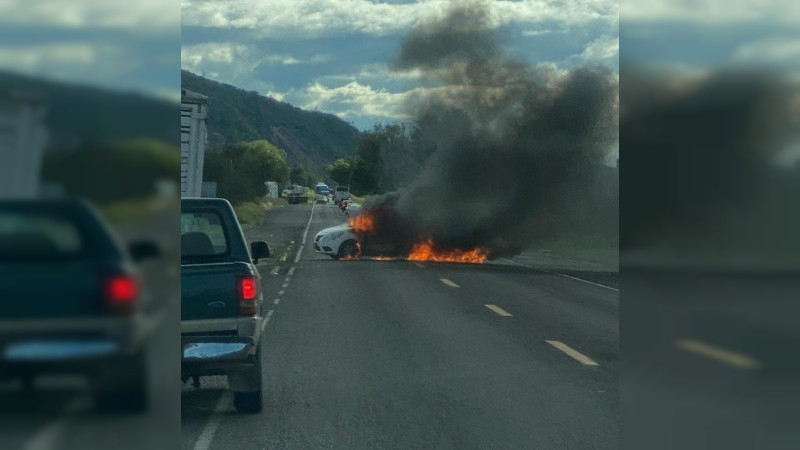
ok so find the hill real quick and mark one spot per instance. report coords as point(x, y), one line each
point(77, 115)
point(311, 139)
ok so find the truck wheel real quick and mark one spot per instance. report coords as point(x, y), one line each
point(127, 392)
point(250, 402)
point(349, 248)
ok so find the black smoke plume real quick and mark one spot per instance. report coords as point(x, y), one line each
point(519, 147)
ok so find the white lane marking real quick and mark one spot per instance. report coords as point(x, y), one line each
point(281, 292)
point(574, 354)
point(284, 285)
point(287, 279)
point(563, 275)
point(729, 357)
point(291, 271)
point(419, 265)
point(275, 270)
point(308, 225)
point(269, 313)
point(277, 300)
point(204, 441)
point(448, 282)
point(299, 252)
point(498, 310)
point(47, 436)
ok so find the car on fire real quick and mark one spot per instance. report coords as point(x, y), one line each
point(352, 209)
point(339, 242)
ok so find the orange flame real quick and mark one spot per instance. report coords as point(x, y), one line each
point(362, 223)
point(426, 251)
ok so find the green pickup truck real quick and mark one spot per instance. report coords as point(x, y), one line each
point(221, 300)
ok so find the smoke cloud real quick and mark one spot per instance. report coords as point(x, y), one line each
point(518, 147)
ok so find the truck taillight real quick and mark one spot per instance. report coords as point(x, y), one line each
point(121, 292)
point(248, 292)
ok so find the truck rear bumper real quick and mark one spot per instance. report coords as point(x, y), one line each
point(233, 356)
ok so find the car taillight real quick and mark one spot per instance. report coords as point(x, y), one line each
point(248, 291)
point(121, 292)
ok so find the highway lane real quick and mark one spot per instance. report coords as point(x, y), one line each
point(394, 354)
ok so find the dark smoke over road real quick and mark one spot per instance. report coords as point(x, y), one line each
point(519, 147)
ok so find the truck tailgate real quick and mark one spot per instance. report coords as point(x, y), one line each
point(209, 291)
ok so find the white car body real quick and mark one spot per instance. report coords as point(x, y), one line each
point(329, 241)
point(321, 198)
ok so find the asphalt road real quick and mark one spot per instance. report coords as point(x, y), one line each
point(395, 354)
point(60, 414)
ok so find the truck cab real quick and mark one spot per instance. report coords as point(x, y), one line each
point(222, 304)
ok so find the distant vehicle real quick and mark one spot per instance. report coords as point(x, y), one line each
point(221, 300)
point(352, 209)
point(285, 193)
point(73, 301)
point(341, 193)
point(321, 198)
point(322, 188)
point(297, 194)
point(338, 242)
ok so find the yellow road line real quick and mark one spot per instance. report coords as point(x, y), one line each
point(729, 357)
point(448, 282)
point(499, 310)
point(574, 354)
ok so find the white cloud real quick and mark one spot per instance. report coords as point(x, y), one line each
point(312, 18)
point(38, 57)
point(139, 15)
point(712, 11)
point(774, 50)
point(536, 32)
point(243, 58)
point(604, 47)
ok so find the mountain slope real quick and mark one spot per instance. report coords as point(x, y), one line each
point(78, 114)
point(311, 139)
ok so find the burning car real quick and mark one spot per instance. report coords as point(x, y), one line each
point(339, 242)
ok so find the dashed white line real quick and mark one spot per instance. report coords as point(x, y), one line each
point(498, 310)
point(269, 313)
point(281, 292)
point(284, 285)
point(448, 282)
point(287, 279)
point(204, 441)
point(291, 271)
point(574, 354)
point(563, 275)
point(729, 357)
point(275, 270)
point(47, 436)
point(277, 300)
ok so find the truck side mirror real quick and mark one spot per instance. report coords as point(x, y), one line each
point(143, 250)
point(259, 249)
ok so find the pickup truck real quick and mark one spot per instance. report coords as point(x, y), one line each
point(73, 301)
point(222, 307)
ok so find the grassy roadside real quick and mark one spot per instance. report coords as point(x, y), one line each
point(134, 211)
point(252, 213)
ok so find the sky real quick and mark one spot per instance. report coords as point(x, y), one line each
point(129, 46)
point(333, 55)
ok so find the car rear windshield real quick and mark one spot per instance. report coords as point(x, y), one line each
point(39, 236)
point(203, 235)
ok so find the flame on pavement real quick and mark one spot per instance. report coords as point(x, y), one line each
point(426, 251)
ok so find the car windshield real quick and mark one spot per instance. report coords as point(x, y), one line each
point(39, 236)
